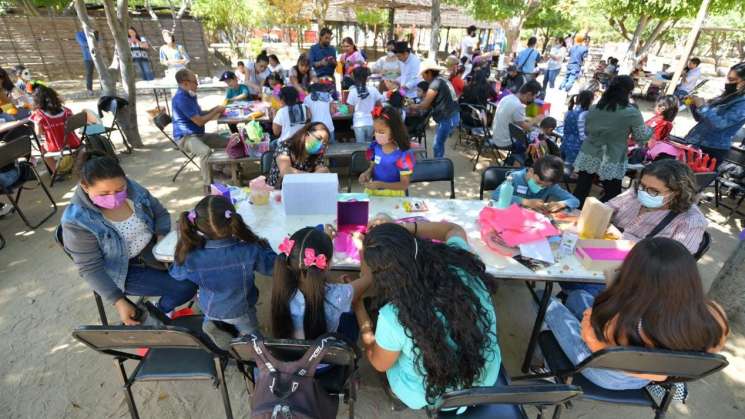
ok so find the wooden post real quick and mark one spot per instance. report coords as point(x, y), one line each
point(690, 43)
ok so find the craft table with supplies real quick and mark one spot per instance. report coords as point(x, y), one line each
point(163, 87)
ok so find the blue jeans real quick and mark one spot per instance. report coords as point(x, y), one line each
point(9, 177)
point(592, 289)
point(143, 281)
point(564, 322)
point(145, 69)
point(442, 132)
point(569, 80)
point(363, 134)
point(245, 324)
point(549, 79)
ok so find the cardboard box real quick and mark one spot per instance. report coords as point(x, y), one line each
point(594, 219)
point(351, 218)
point(310, 193)
point(599, 255)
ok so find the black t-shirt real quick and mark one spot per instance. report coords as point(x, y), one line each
point(445, 103)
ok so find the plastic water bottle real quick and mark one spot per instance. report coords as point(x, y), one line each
point(505, 193)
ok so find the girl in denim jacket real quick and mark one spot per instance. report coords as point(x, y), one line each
point(219, 253)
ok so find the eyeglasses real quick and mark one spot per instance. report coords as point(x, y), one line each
point(651, 191)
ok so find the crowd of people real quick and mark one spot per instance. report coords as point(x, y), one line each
point(425, 344)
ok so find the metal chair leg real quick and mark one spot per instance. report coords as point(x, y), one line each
point(223, 388)
point(127, 387)
point(101, 310)
point(661, 411)
point(15, 201)
point(2, 241)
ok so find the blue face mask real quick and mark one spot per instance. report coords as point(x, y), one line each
point(650, 201)
point(534, 186)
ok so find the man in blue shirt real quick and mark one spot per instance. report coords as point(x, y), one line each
point(577, 56)
point(87, 59)
point(527, 59)
point(538, 187)
point(323, 55)
point(189, 121)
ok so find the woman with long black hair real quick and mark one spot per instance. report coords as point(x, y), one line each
point(438, 330)
point(719, 119)
point(603, 152)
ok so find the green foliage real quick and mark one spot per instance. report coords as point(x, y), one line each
point(371, 17)
point(494, 10)
point(553, 16)
point(233, 19)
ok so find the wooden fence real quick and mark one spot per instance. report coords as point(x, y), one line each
point(47, 45)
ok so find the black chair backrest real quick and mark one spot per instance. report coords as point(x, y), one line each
point(339, 353)
point(679, 366)
point(421, 126)
point(59, 240)
point(266, 162)
point(433, 170)
point(12, 150)
point(102, 338)
point(704, 246)
point(704, 179)
point(735, 155)
point(359, 163)
point(476, 113)
point(111, 104)
point(162, 120)
point(492, 177)
point(539, 394)
point(517, 135)
point(77, 121)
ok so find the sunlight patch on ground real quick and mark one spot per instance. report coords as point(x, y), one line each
point(17, 262)
point(735, 353)
point(59, 348)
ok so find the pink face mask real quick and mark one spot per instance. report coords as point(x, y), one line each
point(110, 201)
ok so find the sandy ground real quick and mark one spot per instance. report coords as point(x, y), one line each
point(45, 373)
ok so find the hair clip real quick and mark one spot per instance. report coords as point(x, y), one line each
point(286, 246)
point(192, 216)
point(377, 112)
point(311, 259)
point(228, 213)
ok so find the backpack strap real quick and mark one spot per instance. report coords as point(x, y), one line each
point(306, 366)
point(266, 361)
point(662, 224)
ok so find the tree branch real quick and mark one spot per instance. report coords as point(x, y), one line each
point(618, 25)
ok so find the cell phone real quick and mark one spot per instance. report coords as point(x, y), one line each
point(530, 263)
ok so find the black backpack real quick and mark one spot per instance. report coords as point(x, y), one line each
point(289, 389)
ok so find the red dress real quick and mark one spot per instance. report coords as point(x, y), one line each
point(53, 128)
point(661, 127)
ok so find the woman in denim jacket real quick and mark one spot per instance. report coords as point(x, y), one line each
point(219, 253)
point(109, 229)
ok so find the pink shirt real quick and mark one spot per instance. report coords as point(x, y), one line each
point(687, 228)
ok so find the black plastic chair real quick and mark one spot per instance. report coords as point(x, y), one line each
point(175, 353)
point(79, 121)
point(418, 130)
point(162, 120)
point(17, 151)
point(735, 156)
point(341, 379)
point(704, 246)
point(434, 170)
point(492, 177)
point(503, 400)
point(113, 105)
point(679, 367)
point(358, 164)
point(267, 158)
point(2, 241)
point(99, 302)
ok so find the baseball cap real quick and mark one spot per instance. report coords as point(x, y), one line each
point(227, 75)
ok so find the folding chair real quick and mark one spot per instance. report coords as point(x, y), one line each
point(471, 123)
point(175, 353)
point(162, 120)
point(492, 177)
point(503, 400)
point(2, 241)
point(734, 156)
point(112, 105)
point(267, 158)
point(73, 123)
point(99, 302)
point(10, 153)
point(679, 367)
point(357, 166)
point(704, 246)
point(341, 379)
point(434, 170)
point(418, 130)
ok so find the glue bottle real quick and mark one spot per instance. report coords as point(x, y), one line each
point(505, 193)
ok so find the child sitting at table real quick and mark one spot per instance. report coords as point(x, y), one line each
point(291, 116)
point(392, 161)
point(543, 141)
point(665, 111)
point(319, 103)
point(49, 117)
point(538, 187)
point(219, 253)
point(306, 303)
point(234, 93)
point(275, 82)
point(361, 101)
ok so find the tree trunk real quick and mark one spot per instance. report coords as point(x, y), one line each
point(728, 288)
point(512, 28)
point(629, 60)
point(117, 18)
point(108, 85)
point(391, 18)
point(434, 42)
point(28, 7)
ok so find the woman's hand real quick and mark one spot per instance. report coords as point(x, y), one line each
point(555, 206)
point(698, 101)
point(329, 230)
point(127, 312)
point(365, 177)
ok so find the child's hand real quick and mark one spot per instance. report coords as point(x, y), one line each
point(532, 203)
point(329, 230)
point(364, 177)
point(555, 206)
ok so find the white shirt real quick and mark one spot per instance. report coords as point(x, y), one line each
point(282, 118)
point(465, 43)
point(134, 232)
point(556, 50)
point(363, 107)
point(691, 80)
point(410, 74)
point(320, 111)
point(509, 110)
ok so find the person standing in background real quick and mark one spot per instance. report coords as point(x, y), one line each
point(172, 55)
point(322, 55)
point(139, 47)
point(468, 43)
point(577, 55)
point(82, 39)
point(409, 68)
point(527, 59)
point(555, 58)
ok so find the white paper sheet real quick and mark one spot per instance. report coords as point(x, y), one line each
point(540, 250)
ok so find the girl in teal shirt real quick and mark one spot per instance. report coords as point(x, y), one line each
point(438, 330)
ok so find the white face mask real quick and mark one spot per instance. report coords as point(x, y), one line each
point(390, 54)
point(192, 93)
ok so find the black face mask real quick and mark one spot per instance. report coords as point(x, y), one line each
point(730, 88)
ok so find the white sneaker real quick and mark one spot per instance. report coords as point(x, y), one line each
point(5, 209)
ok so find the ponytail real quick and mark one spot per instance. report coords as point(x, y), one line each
point(189, 238)
point(245, 234)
